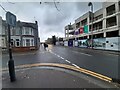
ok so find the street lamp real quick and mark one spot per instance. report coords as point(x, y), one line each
point(91, 16)
point(11, 21)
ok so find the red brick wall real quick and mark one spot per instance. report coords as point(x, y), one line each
point(23, 49)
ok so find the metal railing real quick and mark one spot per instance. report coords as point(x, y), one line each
point(95, 19)
point(96, 28)
point(110, 12)
point(111, 24)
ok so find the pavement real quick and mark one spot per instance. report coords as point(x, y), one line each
point(52, 77)
point(117, 53)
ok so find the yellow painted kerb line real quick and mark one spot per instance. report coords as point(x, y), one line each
point(100, 76)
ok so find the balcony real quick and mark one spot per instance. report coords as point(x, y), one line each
point(96, 18)
point(111, 24)
point(84, 22)
point(111, 12)
point(96, 28)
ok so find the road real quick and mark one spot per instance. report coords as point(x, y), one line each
point(103, 63)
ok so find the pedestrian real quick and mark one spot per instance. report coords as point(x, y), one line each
point(45, 46)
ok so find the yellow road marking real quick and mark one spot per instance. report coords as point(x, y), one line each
point(100, 76)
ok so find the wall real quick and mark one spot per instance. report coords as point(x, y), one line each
point(113, 43)
point(65, 43)
point(2, 42)
point(100, 43)
point(0, 31)
point(75, 43)
point(82, 43)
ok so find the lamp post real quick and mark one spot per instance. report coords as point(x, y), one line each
point(11, 21)
point(91, 16)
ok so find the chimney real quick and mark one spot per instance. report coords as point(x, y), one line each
point(36, 22)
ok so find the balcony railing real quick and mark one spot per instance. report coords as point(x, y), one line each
point(83, 24)
point(110, 12)
point(95, 19)
point(111, 24)
point(96, 28)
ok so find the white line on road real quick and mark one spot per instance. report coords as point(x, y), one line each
point(55, 54)
point(67, 61)
point(58, 56)
point(76, 66)
point(85, 54)
point(112, 55)
point(62, 58)
point(81, 53)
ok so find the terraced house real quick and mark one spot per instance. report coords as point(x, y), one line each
point(105, 31)
point(24, 36)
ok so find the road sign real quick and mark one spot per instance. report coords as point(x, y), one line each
point(11, 19)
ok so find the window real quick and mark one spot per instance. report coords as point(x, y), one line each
point(3, 30)
point(27, 42)
point(110, 10)
point(17, 31)
point(24, 42)
point(31, 31)
point(23, 30)
point(2, 44)
point(12, 42)
point(32, 42)
point(26, 31)
point(11, 31)
point(17, 42)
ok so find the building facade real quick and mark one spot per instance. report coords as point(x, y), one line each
point(106, 24)
point(23, 37)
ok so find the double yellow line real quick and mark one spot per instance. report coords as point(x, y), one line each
point(94, 74)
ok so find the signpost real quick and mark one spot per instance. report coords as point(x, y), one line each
point(11, 21)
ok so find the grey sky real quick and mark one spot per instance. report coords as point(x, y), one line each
point(51, 22)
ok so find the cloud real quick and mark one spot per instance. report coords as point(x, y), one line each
point(50, 20)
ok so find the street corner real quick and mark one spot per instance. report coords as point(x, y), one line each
point(43, 78)
point(42, 74)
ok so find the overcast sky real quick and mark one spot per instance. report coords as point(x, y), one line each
point(50, 20)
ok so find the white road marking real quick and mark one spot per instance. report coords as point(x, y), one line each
point(55, 54)
point(81, 53)
point(50, 51)
point(67, 61)
point(62, 58)
point(112, 54)
point(85, 54)
point(75, 65)
point(58, 55)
